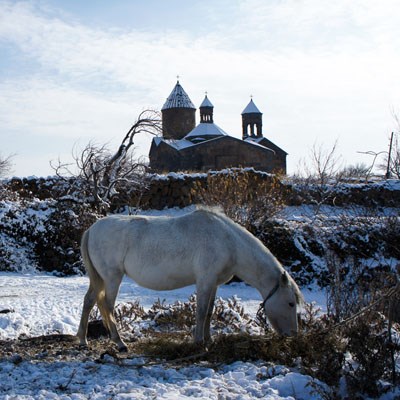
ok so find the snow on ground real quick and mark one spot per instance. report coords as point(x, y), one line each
point(236, 381)
point(45, 304)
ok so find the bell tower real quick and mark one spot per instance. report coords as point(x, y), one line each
point(251, 121)
point(206, 111)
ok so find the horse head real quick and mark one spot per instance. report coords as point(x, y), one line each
point(281, 306)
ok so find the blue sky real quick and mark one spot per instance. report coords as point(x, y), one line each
point(78, 71)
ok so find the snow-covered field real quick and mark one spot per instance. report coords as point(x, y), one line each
point(44, 304)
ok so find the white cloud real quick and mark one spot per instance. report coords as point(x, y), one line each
point(41, 108)
point(315, 25)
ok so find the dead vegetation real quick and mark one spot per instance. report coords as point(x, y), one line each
point(362, 352)
point(245, 196)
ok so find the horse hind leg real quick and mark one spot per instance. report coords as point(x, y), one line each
point(111, 292)
point(88, 304)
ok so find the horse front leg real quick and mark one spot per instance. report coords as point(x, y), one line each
point(205, 304)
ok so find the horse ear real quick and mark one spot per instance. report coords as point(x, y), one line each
point(284, 279)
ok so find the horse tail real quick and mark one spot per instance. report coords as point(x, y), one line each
point(96, 281)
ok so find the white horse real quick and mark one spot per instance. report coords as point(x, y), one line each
point(204, 247)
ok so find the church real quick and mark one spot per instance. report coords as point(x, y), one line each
point(185, 146)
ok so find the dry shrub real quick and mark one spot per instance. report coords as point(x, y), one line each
point(125, 314)
point(372, 338)
point(170, 346)
point(371, 347)
point(354, 285)
point(228, 316)
point(245, 196)
point(316, 350)
point(360, 353)
point(320, 356)
point(178, 316)
point(169, 337)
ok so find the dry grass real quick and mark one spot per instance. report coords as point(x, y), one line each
point(319, 350)
point(244, 196)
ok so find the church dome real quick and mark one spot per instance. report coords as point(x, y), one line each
point(205, 131)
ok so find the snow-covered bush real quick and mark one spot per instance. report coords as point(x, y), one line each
point(228, 316)
point(58, 247)
point(373, 354)
point(22, 223)
point(306, 245)
point(42, 234)
point(42, 219)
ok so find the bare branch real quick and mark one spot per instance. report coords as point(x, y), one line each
point(323, 164)
point(106, 174)
point(5, 165)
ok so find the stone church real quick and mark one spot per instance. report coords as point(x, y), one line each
point(184, 146)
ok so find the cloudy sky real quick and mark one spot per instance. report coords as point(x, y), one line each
point(75, 71)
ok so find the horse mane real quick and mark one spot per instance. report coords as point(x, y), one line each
point(213, 209)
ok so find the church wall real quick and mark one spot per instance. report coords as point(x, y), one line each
point(229, 152)
point(164, 158)
point(216, 155)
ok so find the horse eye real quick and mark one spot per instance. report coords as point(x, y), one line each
point(291, 304)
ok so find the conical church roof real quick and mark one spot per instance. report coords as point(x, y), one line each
point(206, 103)
point(178, 99)
point(251, 108)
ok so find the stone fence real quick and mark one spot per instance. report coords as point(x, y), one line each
point(179, 190)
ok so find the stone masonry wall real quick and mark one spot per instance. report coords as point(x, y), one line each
point(176, 190)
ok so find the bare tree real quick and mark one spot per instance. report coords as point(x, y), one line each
point(392, 160)
point(5, 170)
point(358, 170)
point(326, 162)
point(5, 166)
point(319, 175)
point(394, 165)
point(375, 156)
point(322, 166)
point(103, 172)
